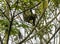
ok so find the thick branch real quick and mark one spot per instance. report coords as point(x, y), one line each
point(10, 28)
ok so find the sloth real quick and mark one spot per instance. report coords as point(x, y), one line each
point(30, 17)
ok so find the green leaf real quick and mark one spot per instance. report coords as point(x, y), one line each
point(14, 31)
point(26, 0)
point(0, 0)
point(56, 2)
point(23, 25)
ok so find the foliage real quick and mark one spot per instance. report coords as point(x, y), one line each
point(37, 19)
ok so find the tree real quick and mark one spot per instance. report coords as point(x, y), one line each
point(36, 17)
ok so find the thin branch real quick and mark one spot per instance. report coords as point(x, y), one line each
point(1, 40)
point(8, 5)
point(38, 31)
point(44, 26)
point(32, 29)
point(29, 8)
point(36, 26)
point(4, 14)
point(53, 35)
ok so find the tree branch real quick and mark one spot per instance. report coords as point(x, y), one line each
point(8, 6)
point(4, 14)
point(37, 24)
point(10, 28)
point(1, 40)
point(32, 29)
point(29, 9)
point(53, 35)
point(43, 27)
